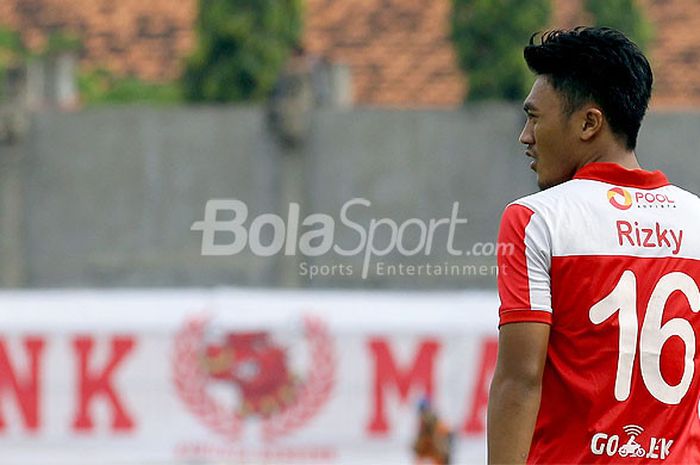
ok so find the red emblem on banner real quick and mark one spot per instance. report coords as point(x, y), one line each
point(257, 371)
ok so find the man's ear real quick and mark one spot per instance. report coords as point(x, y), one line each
point(592, 121)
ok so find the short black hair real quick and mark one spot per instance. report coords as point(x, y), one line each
point(596, 64)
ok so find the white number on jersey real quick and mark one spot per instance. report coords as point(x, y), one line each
point(653, 334)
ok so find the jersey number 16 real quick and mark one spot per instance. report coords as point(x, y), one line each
point(653, 334)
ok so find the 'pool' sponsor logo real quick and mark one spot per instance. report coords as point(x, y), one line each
point(620, 198)
point(653, 200)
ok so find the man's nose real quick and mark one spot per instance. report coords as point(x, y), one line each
point(526, 136)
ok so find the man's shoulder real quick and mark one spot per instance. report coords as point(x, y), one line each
point(589, 217)
point(602, 195)
point(541, 209)
point(685, 194)
point(554, 197)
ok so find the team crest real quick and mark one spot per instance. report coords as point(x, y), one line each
point(226, 378)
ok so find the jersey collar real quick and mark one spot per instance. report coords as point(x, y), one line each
point(612, 173)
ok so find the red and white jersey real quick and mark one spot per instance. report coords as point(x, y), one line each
point(611, 260)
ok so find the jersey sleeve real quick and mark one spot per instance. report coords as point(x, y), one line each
point(524, 260)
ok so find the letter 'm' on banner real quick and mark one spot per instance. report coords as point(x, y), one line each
point(419, 376)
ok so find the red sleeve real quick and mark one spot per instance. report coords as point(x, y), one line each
point(518, 275)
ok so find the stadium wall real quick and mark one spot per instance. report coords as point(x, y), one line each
point(106, 197)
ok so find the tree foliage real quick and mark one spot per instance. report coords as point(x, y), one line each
point(623, 15)
point(101, 86)
point(11, 47)
point(97, 86)
point(12, 52)
point(242, 46)
point(489, 36)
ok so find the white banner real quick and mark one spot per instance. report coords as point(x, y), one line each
point(229, 376)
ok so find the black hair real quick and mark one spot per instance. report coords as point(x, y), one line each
point(599, 65)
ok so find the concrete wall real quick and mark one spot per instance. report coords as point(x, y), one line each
point(112, 193)
point(106, 197)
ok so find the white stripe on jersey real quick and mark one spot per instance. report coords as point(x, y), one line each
point(582, 220)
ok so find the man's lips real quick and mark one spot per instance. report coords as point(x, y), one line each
point(533, 164)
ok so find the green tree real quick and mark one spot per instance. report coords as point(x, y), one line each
point(623, 15)
point(489, 36)
point(242, 46)
point(97, 86)
point(12, 53)
point(11, 47)
point(101, 86)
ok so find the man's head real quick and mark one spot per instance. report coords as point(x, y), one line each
point(592, 90)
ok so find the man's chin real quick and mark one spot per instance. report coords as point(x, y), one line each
point(544, 182)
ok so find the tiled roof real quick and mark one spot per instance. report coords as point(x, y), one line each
point(144, 38)
point(398, 50)
point(675, 48)
point(675, 55)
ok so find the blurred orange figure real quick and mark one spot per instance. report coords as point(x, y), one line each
point(433, 444)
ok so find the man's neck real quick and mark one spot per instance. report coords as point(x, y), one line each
point(625, 158)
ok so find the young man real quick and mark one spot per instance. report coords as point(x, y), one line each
point(599, 320)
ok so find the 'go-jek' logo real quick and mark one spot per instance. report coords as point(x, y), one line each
point(620, 198)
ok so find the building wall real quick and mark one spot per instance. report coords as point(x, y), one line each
point(108, 196)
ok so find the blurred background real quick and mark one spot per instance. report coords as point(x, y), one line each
point(120, 121)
